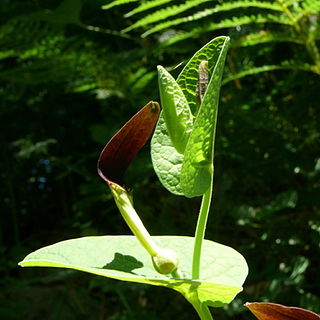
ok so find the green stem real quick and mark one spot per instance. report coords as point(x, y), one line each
point(177, 274)
point(200, 231)
point(202, 310)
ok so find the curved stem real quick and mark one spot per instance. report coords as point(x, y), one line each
point(132, 219)
point(164, 260)
point(200, 231)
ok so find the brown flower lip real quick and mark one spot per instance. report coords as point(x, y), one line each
point(122, 148)
point(274, 311)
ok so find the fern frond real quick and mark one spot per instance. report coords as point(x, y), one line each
point(230, 23)
point(117, 3)
point(287, 65)
point(312, 5)
point(146, 6)
point(247, 4)
point(44, 53)
point(265, 36)
point(306, 8)
point(260, 18)
point(217, 9)
point(165, 13)
point(21, 34)
point(168, 24)
point(289, 3)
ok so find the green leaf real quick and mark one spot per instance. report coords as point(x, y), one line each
point(122, 257)
point(167, 161)
point(176, 111)
point(197, 167)
point(188, 78)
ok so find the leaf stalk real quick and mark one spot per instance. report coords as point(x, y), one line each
point(200, 230)
point(202, 310)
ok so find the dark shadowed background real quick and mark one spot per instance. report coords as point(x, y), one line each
point(69, 79)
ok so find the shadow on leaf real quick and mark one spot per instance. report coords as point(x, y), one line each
point(124, 263)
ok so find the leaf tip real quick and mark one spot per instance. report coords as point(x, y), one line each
point(160, 69)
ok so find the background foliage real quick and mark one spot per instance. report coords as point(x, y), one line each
point(69, 78)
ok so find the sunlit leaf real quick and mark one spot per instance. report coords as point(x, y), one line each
point(197, 167)
point(167, 161)
point(122, 257)
point(188, 78)
point(175, 110)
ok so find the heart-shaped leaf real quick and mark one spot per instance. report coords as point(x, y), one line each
point(122, 257)
point(126, 143)
point(167, 161)
point(274, 311)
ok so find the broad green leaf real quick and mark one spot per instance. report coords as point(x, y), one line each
point(122, 257)
point(197, 167)
point(175, 122)
point(167, 161)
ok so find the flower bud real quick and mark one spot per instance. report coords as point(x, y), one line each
point(166, 261)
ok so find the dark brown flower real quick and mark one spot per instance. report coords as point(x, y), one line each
point(273, 311)
point(118, 153)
